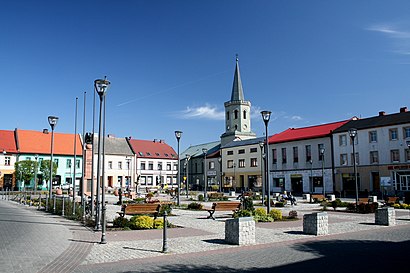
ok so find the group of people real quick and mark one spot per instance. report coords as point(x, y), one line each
point(288, 197)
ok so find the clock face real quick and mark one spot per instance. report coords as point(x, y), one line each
point(245, 126)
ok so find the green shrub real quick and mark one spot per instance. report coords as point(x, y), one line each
point(262, 218)
point(141, 222)
point(248, 204)
point(405, 206)
point(214, 187)
point(279, 204)
point(260, 212)
point(165, 207)
point(200, 197)
point(396, 206)
point(158, 223)
point(276, 214)
point(351, 207)
point(195, 206)
point(120, 222)
point(242, 213)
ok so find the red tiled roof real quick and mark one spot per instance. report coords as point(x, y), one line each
point(40, 143)
point(152, 149)
point(293, 134)
point(7, 141)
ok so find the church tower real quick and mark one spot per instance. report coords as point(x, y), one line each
point(237, 113)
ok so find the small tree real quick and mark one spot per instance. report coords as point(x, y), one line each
point(25, 170)
point(45, 169)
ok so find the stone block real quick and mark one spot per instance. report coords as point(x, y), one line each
point(306, 196)
point(385, 217)
point(316, 223)
point(240, 231)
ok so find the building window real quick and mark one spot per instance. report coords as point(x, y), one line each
point(342, 140)
point(149, 180)
point(254, 162)
point(241, 163)
point(128, 164)
point(211, 165)
point(235, 114)
point(168, 166)
point(343, 159)
point(241, 151)
point(77, 162)
point(119, 165)
point(372, 136)
point(230, 164)
point(394, 154)
point(407, 154)
point(357, 158)
point(110, 165)
point(406, 132)
point(319, 148)
point(150, 165)
point(175, 167)
point(142, 165)
point(254, 150)
point(7, 161)
point(284, 160)
point(229, 152)
point(227, 115)
point(295, 155)
point(374, 157)
point(56, 162)
point(68, 163)
point(274, 156)
point(159, 166)
point(308, 153)
point(244, 114)
point(393, 134)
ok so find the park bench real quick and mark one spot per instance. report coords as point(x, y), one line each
point(392, 200)
point(140, 209)
point(215, 195)
point(364, 200)
point(223, 206)
point(316, 197)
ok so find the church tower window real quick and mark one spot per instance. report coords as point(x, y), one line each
point(236, 114)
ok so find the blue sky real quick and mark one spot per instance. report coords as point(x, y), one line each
point(171, 63)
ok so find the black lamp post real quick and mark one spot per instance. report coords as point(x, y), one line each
point(261, 144)
point(178, 135)
point(188, 157)
point(101, 87)
point(311, 177)
point(35, 173)
point(266, 118)
point(353, 134)
point(322, 154)
point(205, 151)
point(408, 146)
point(52, 120)
point(220, 174)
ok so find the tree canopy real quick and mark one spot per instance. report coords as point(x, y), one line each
point(45, 169)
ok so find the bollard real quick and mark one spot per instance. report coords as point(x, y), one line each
point(164, 238)
point(62, 212)
point(31, 200)
point(39, 202)
point(46, 202)
point(83, 204)
point(54, 206)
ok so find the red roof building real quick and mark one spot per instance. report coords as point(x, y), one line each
point(7, 142)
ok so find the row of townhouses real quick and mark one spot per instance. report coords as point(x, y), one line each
point(325, 158)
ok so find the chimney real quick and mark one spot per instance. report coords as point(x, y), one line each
point(161, 141)
point(382, 113)
point(45, 131)
point(403, 109)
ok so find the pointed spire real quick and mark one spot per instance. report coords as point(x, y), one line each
point(237, 90)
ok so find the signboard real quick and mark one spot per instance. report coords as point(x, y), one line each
point(385, 181)
point(211, 173)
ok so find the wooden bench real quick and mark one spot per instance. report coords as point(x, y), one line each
point(140, 209)
point(215, 195)
point(318, 197)
point(223, 206)
point(392, 200)
point(364, 200)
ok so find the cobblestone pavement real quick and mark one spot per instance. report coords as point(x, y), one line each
point(65, 246)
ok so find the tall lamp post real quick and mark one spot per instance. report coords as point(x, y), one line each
point(220, 173)
point(353, 134)
point(178, 135)
point(204, 151)
point(35, 174)
point(266, 118)
point(311, 177)
point(261, 144)
point(188, 157)
point(322, 154)
point(52, 120)
point(101, 87)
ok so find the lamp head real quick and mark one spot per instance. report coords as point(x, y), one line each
point(101, 86)
point(204, 150)
point(178, 135)
point(322, 151)
point(352, 132)
point(52, 120)
point(261, 144)
point(407, 143)
point(266, 116)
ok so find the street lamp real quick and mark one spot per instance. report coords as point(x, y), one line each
point(261, 144)
point(204, 151)
point(220, 173)
point(311, 177)
point(35, 174)
point(322, 154)
point(101, 87)
point(188, 157)
point(353, 134)
point(266, 117)
point(52, 120)
point(178, 135)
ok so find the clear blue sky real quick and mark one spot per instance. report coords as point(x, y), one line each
point(171, 63)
